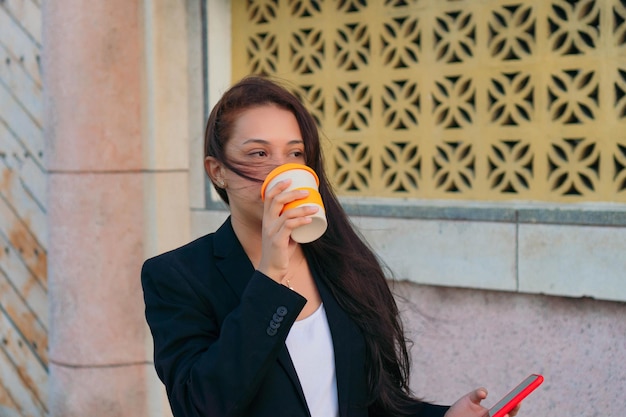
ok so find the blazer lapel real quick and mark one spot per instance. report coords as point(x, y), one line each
point(287, 364)
point(231, 259)
point(236, 269)
point(340, 326)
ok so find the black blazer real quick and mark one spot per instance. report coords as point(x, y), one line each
point(219, 330)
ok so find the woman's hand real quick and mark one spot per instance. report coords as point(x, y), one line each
point(277, 245)
point(469, 406)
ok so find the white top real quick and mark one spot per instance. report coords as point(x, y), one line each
point(310, 346)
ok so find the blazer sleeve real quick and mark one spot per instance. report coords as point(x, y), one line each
point(432, 410)
point(213, 366)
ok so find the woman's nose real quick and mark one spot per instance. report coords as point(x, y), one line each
point(279, 160)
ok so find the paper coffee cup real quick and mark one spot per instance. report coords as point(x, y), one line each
point(302, 177)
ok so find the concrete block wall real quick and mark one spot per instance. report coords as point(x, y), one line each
point(472, 324)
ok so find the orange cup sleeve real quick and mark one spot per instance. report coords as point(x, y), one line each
point(314, 197)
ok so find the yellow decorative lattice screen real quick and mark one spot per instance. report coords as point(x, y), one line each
point(470, 100)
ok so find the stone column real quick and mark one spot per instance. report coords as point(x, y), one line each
point(117, 153)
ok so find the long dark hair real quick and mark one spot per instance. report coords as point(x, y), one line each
point(346, 263)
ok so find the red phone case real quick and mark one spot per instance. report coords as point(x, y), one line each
point(517, 394)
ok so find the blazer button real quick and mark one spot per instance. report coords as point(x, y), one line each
point(274, 325)
point(277, 318)
point(271, 332)
point(281, 311)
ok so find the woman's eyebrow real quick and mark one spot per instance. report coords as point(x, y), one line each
point(253, 140)
point(266, 142)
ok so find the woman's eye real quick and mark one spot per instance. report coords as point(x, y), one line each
point(258, 153)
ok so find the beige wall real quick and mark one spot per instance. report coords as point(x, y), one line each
point(117, 128)
point(94, 160)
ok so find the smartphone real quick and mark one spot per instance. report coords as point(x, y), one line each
point(514, 397)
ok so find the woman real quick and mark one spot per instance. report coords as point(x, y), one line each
point(247, 322)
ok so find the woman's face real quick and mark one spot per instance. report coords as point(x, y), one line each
point(262, 138)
